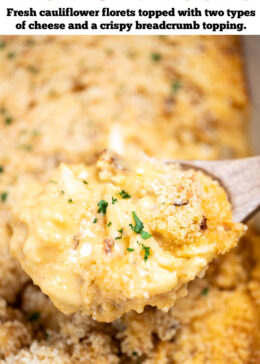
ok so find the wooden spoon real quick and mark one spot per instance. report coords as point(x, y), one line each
point(241, 180)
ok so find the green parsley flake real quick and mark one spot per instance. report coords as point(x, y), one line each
point(34, 316)
point(139, 227)
point(124, 194)
point(4, 196)
point(70, 201)
point(30, 42)
point(11, 55)
point(8, 120)
point(156, 57)
point(121, 234)
point(205, 291)
point(130, 249)
point(176, 85)
point(1, 169)
point(114, 200)
point(36, 133)
point(85, 182)
point(109, 224)
point(145, 235)
point(147, 252)
point(102, 206)
point(138, 224)
point(95, 221)
point(2, 45)
point(33, 69)
point(27, 147)
point(62, 191)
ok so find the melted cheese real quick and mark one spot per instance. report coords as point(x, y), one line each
point(121, 234)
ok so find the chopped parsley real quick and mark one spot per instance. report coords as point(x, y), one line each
point(139, 227)
point(34, 316)
point(11, 55)
point(2, 45)
point(102, 206)
point(30, 42)
point(95, 221)
point(114, 200)
point(33, 69)
point(138, 224)
point(176, 85)
point(130, 249)
point(85, 182)
point(52, 181)
point(70, 201)
point(27, 147)
point(36, 133)
point(147, 252)
point(109, 224)
point(124, 194)
point(156, 57)
point(145, 235)
point(4, 196)
point(62, 191)
point(205, 291)
point(1, 169)
point(8, 120)
point(121, 234)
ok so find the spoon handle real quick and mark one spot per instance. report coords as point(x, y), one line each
point(241, 180)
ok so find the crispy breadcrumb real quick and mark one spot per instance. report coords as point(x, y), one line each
point(15, 331)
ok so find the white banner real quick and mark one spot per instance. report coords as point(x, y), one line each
point(129, 17)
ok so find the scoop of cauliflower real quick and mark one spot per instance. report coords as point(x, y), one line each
point(121, 234)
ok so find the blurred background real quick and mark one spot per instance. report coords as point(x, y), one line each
point(252, 52)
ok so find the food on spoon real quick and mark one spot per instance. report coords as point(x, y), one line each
point(121, 234)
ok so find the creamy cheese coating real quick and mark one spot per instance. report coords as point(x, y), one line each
point(121, 234)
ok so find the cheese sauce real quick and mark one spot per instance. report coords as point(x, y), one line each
point(120, 234)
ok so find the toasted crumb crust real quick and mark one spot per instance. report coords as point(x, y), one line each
point(190, 332)
point(62, 99)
